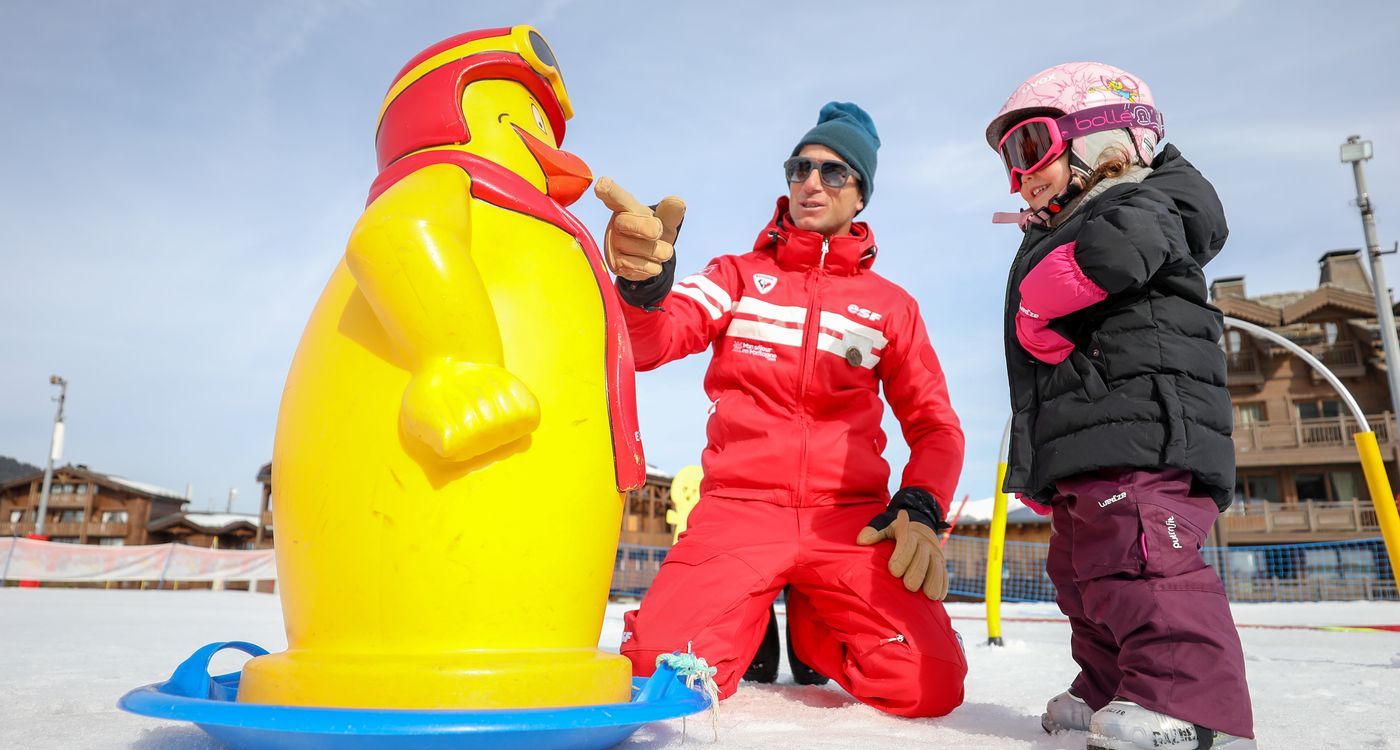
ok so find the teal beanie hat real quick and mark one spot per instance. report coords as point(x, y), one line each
point(846, 129)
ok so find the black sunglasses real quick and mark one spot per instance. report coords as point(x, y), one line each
point(833, 174)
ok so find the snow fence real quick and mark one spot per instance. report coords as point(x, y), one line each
point(32, 560)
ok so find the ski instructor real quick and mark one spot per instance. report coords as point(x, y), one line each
point(804, 335)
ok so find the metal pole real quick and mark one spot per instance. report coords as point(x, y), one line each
point(1357, 151)
point(55, 450)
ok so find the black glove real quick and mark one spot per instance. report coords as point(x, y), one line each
point(921, 506)
point(648, 294)
point(912, 521)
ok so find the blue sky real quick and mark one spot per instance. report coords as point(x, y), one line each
point(180, 177)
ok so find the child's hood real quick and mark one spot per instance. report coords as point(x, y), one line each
point(1202, 216)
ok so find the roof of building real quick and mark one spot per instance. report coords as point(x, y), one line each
point(1324, 303)
point(659, 475)
point(208, 523)
point(109, 480)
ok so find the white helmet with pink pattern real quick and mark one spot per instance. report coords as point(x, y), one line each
point(1089, 107)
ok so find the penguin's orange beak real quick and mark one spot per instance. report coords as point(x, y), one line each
point(566, 176)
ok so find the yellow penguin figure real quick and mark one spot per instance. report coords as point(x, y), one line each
point(685, 495)
point(457, 429)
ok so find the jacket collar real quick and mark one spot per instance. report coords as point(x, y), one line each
point(801, 249)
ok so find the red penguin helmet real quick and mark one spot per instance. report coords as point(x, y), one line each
point(423, 107)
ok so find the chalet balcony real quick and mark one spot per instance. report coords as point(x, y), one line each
point(66, 501)
point(1242, 367)
point(1305, 441)
point(64, 528)
point(17, 529)
point(1257, 518)
point(107, 529)
point(1343, 358)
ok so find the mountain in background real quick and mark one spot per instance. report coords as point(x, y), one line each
point(11, 468)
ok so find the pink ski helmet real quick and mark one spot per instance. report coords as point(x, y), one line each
point(1095, 106)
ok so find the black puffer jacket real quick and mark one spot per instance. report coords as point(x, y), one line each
point(1145, 385)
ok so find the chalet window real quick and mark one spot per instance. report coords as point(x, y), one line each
point(64, 539)
point(1310, 487)
point(70, 516)
point(1247, 414)
point(1319, 408)
point(16, 516)
point(81, 489)
point(111, 541)
point(1329, 332)
point(1347, 486)
point(114, 516)
point(1257, 488)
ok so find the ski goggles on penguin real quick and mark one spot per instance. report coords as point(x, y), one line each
point(833, 174)
point(1033, 143)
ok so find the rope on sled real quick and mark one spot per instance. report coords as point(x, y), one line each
point(698, 675)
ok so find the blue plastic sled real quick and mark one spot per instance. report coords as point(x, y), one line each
point(191, 694)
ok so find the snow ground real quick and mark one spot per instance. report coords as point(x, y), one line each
point(68, 655)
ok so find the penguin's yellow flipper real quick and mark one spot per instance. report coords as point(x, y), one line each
point(462, 409)
point(411, 257)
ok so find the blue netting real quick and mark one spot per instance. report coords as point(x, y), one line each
point(1324, 571)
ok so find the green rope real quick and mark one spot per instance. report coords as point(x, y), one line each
point(698, 675)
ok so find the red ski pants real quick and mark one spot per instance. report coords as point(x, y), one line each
point(851, 620)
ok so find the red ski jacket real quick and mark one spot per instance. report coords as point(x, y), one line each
point(805, 335)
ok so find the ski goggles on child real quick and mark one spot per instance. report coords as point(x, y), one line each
point(833, 174)
point(1033, 143)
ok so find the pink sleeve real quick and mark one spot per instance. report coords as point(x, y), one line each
point(1040, 509)
point(1057, 286)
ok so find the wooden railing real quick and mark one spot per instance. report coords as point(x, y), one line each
point(1242, 367)
point(63, 528)
point(1263, 517)
point(107, 529)
point(16, 529)
point(1327, 432)
point(65, 501)
point(1342, 358)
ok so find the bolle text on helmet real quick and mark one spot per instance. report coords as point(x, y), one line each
point(1110, 117)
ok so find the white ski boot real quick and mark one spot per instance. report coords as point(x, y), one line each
point(1064, 713)
point(1124, 725)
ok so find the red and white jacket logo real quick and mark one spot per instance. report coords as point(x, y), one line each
point(764, 282)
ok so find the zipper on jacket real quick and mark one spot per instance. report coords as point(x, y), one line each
point(811, 330)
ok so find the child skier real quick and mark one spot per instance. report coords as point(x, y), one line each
point(1121, 421)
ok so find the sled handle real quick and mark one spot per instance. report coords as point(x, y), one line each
point(192, 680)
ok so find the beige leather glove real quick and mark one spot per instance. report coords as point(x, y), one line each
point(638, 240)
point(917, 558)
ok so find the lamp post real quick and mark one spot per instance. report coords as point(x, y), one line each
point(55, 452)
point(1355, 151)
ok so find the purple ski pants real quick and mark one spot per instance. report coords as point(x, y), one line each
point(1149, 620)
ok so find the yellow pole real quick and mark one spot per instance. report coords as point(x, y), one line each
point(1381, 497)
point(995, 544)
